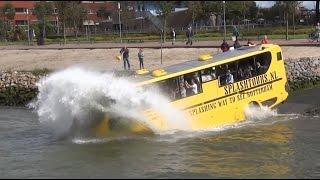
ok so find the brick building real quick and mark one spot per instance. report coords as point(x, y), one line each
point(22, 7)
point(135, 15)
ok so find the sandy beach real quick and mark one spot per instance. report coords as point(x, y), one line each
point(104, 59)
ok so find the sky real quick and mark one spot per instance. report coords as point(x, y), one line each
point(307, 4)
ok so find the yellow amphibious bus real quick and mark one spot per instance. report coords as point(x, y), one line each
point(214, 90)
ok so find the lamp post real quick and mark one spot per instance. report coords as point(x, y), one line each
point(161, 44)
point(119, 22)
point(28, 27)
point(224, 19)
point(58, 31)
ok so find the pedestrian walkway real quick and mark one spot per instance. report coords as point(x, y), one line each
point(156, 45)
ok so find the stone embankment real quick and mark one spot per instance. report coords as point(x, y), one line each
point(303, 72)
point(19, 88)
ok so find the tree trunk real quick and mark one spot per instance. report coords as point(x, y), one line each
point(317, 12)
point(287, 28)
point(76, 29)
point(44, 29)
point(64, 32)
point(5, 29)
point(164, 29)
point(293, 23)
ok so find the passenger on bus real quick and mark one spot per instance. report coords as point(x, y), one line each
point(250, 43)
point(183, 91)
point(224, 46)
point(236, 44)
point(206, 76)
point(260, 69)
point(247, 72)
point(229, 78)
point(192, 87)
point(196, 79)
point(240, 74)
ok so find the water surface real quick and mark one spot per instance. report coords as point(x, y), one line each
point(281, 146)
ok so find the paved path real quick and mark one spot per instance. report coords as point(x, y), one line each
point(156, 45)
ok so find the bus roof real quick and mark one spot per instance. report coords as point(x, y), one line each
point(195, 63)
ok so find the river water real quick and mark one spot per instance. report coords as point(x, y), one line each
point(285, 145)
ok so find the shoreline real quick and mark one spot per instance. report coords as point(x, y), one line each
point(18, 85)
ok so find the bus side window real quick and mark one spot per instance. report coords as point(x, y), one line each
point(208, 74)
point(279, 56)
point(213, 73)
point(190, 81)
point(263, 63)
point(221, 74)
point(245, 69)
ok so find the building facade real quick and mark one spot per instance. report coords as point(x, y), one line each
point(24, 11)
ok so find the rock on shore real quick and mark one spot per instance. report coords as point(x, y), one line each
point(303, 72)
point(17, 88)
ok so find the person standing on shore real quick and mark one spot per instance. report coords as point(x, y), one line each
point(173, 36)
point(189, 35)
point(141, 56)
point(235, 33)
point(125, 56)
point(265, 40)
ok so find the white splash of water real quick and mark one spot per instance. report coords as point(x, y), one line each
point(259, 113)
point(70, 96)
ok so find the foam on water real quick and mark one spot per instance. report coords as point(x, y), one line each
point(259, 113)
point(74, 94)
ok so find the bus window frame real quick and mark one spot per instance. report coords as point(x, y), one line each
point(200, 83)
point(211, 69)
point(178, 78)
point(254, 65)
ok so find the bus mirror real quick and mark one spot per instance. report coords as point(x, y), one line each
point(205, 57)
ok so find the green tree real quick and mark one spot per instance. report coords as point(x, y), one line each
point(43, 10)
point(76, 14)
point(233, 11)
point(294, 5)
point(288, 7)
point(164, 9)
point(62, 7)
point(125, 13)
point(7, 13)
point(196, 9)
